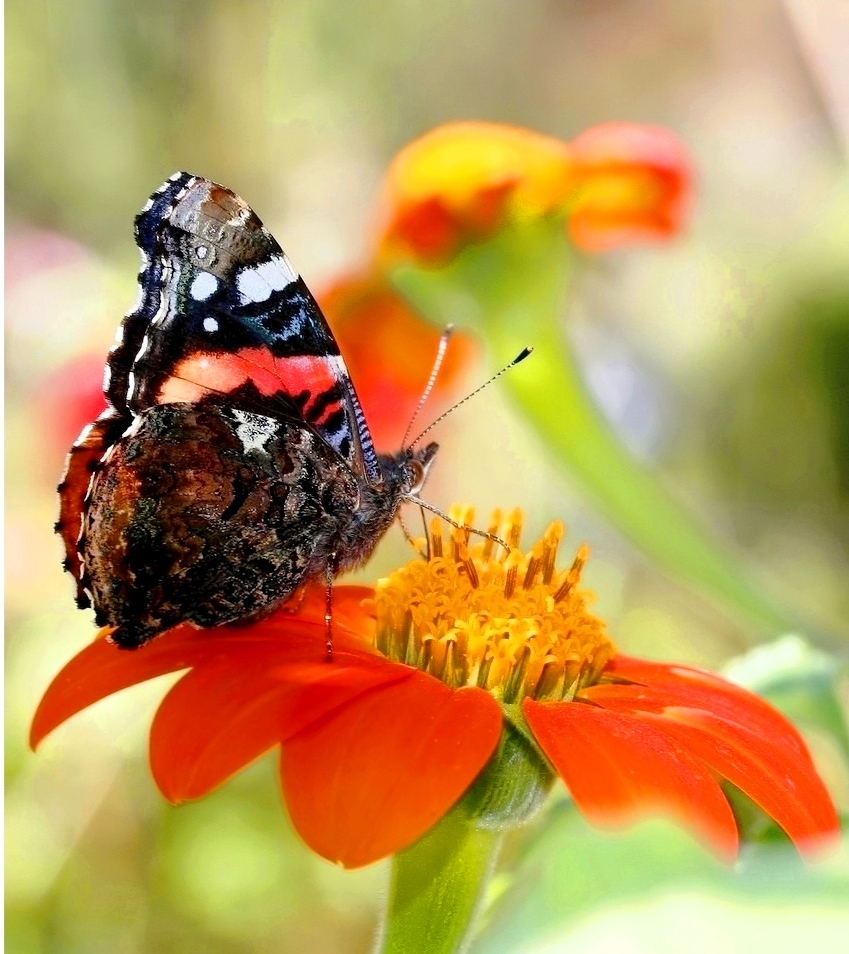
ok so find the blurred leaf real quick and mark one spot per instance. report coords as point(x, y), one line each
point(803, 682)
point(568, 870)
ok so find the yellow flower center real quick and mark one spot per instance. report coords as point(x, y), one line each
point(505, 620)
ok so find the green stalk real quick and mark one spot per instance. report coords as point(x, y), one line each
point(437, 887)
point(512, 289)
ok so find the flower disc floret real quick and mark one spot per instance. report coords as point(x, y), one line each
point(492, 615)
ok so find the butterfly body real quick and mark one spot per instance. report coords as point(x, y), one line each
point(234, 463)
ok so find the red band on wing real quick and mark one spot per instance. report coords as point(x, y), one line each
point(201, 374)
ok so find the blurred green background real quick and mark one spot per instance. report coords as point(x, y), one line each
point(723, 358)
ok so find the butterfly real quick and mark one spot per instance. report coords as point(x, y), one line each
point(234, 463)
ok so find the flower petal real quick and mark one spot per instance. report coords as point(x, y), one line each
point(791, 792)
point(661, 685)
point(226, 713)
point(618, 768)
point(102, 669)
point(634, 185)
point(389, 350)
point(456, 182)
point(376, 774)
point(737, 734)
point(350, 618)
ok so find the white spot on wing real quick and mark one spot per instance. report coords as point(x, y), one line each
point(107, 377)
point(278, 272)
point(254, 430)
point(252, 286)
point(131, 381)
point(210, 324)
point(170, 280)
point(337, 362)
point(256, 284)
point(204, 285)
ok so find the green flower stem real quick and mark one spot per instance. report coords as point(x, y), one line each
point(512, 289)
point(437, 887)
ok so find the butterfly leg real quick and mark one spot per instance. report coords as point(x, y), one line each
point(328, 606)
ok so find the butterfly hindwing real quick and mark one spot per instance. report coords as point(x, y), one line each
point(206, 513)
point(82, 463)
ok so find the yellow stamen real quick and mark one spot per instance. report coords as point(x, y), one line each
point(508, 621)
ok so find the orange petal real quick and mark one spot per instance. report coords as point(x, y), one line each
point(738, 735)
point(786, 787)
point(634, 185)
point(101, 668)
point(224, 714)
point(618, 768)
point(659, 686)
point(375, 775)
point(389, 351)
point(349, 615)
point(459, 181)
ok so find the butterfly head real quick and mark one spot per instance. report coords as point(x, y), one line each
point(417, 466)
point(407, 470)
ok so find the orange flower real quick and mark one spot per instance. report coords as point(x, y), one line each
point(634, 184)
point(68, 398)
point(460, 182)
point(389, 351)
point(378, 743)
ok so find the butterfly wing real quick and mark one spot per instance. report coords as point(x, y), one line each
point(82, 463)
point(223, 316)
point(209, 514)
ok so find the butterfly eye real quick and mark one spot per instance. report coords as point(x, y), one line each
point(416, 474)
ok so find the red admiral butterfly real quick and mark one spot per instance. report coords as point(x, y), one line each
point(234, 462)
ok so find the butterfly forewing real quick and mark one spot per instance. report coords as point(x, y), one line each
point(234, 319)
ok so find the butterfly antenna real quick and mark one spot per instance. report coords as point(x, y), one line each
point(519, 357)
point(445, 337)
point(411, 498)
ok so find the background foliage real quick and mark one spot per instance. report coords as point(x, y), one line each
point(721, 358)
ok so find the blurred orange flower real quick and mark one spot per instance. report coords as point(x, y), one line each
point(380, 741)
point(68, 398)
point(633, 184)
point(460, 182)
point(389, 351)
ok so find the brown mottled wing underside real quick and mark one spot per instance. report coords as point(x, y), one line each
point(208, 514)
point(83, 460)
